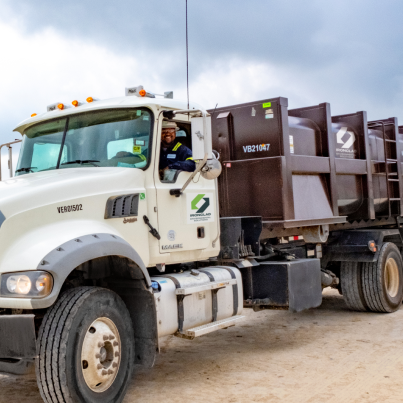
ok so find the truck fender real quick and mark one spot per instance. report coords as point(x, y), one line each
point(61, 261)
point(352, 245)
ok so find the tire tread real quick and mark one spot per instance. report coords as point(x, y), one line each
point(373, 281)
point(51, 345)
point(350, 274)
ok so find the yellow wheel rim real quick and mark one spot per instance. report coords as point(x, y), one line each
point(391, 277)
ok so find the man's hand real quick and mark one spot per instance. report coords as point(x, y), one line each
point(162, 172)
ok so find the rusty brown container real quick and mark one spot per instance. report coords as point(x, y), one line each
point(303, 167)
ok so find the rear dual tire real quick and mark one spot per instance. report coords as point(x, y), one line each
point(375, 286)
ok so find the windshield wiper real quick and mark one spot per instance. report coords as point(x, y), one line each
point(27, 169)
point(81, 162)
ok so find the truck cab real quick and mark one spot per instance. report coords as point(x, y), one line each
point(103, 155)
point(89, 202)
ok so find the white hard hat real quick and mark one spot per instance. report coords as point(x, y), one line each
point(169, 125)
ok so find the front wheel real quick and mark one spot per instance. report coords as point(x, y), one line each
point(86, 348)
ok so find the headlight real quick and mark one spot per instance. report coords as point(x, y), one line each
point(32, 284)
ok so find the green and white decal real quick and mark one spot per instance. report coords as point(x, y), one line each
point(200, 207)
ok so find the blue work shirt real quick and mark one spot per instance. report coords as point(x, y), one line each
point(178, 157)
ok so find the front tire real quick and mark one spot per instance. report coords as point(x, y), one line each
point(86, 348)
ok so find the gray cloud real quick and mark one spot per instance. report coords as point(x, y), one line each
point(346, 51)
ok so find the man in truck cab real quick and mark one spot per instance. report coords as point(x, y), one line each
point(174, 155)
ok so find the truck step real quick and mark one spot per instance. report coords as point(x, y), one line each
point(198, 331)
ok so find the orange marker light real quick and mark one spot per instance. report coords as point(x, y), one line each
point(75, 103)
point(142, 93)
point(60, 106)
point(90, 99)
point(372, 246)
point(34, 114)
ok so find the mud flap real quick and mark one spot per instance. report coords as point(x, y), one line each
point(17, 337)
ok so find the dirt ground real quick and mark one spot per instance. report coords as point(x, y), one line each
point(329, 354)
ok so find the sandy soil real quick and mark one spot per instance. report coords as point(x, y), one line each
point(327, 355)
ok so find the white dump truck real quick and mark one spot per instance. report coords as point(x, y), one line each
point(102, 253)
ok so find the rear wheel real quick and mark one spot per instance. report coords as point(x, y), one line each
point(351, 286)
point(86, 348)
point(383, 280)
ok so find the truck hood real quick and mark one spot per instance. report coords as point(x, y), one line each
point(27, 192)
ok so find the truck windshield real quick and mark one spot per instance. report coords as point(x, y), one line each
point(110, 138)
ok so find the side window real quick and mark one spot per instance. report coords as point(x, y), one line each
point(45, 156)
point(183, 136)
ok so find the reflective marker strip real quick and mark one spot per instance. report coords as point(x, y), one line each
point(176, 147)
point(291, 238)
point(295, 238)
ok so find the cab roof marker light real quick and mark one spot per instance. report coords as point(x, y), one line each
point(139, 91)
point(34, 114)
point(91, 99)
point(52, 107)
point(76, 103)
point(58, 106)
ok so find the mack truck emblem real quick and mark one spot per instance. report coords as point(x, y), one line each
point(340, 136)
point(129, 220)
point(176, 246)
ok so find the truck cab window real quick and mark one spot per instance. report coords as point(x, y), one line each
point(110, 138)
point(173, 153)
point(40, 147)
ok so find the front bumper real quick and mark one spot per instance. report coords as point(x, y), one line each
point(17, 337)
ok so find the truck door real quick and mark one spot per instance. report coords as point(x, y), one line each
point(188, 222)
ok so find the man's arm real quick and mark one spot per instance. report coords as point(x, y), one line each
point(186, 162)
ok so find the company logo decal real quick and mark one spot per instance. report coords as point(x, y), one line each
point(346, 150)
point(203, 207)
point(200, 207)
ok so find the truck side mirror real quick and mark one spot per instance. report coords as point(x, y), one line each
point(212, 169)
point(201, 138)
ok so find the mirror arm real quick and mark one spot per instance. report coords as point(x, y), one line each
point(200, 165)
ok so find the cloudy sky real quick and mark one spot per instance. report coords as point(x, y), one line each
point(346, 52)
